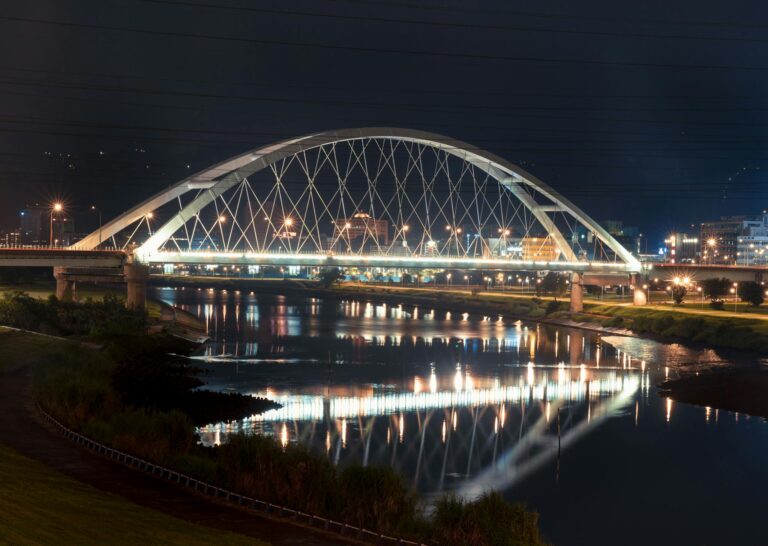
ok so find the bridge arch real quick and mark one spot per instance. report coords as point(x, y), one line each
point(211, 183)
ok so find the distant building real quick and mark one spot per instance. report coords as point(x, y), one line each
point(627, 236)
point(682, 248)
point(540, 249)
point(361, 228)
point(752, 244)
point(35, 221)
point(719, 240)
point(10, 238)
point(741, 240)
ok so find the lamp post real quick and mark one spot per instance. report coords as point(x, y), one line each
point(735, 292)
point(56, 207)
point(97, 210)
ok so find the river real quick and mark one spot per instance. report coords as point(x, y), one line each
point(567, 421)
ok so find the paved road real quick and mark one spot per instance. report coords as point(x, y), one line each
point(21, 430)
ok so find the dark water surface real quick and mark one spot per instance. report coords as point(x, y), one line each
point(467, 403)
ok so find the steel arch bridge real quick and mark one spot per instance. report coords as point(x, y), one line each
point(370, 197)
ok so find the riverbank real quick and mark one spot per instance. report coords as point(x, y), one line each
point(161, 315)
point(107, 396)
point(55, 492)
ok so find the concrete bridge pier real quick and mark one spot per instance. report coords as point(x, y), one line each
point(577, 293)
point(639, 295)
point(65, 286)
point(136, 276)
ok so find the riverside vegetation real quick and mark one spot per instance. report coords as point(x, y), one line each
point(127, 390)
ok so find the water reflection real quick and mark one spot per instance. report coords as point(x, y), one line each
point(452, 400)
point(465, 402)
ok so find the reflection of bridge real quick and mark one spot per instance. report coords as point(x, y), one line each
point(470, 439)
point(382, 198)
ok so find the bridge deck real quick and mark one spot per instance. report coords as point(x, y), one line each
point(60, 257)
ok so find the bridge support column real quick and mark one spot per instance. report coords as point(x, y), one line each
point(136, 276)
point(65, 287)
point(639, 296)
point(577, 293)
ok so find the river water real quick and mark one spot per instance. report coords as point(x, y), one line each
point(564, 420)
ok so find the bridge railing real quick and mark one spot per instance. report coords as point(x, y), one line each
point(201, 487)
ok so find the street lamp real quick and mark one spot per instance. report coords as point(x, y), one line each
point(56, 207)
point(448, 276)
point(97, 210)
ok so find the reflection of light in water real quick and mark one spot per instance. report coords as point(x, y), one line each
point(314, 407)
point(469, 383)
point(343, 433)
point(707, 413)
point(432, 382)
point(443, 430)
point(416, 385)
point(284, 436)
point(669, 409)
point(455, 419)
point(549, 407)
point(402, 427)
point(582, 373)
point(495, 425)
point(530, 375)
point(503, 414)
point(328, 441)
point(458, 382)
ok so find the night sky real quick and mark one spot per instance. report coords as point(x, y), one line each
point(650, 112)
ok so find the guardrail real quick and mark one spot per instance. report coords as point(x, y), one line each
point(211, 490)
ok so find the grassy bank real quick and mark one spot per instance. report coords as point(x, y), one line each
point(39, 505)
point(708, 329)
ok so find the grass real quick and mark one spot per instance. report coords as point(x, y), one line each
point(39, 505)
point(42, 290)
point(711, 329)
point(18, 349)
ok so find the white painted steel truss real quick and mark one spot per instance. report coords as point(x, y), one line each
point(375, 197)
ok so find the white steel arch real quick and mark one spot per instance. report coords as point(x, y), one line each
point(216, 180)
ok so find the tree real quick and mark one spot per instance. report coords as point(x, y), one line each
point(406, 278)
point(330, 276)
point(553, 283)
point(752, 292)
point(678, 293)
point(716, 289)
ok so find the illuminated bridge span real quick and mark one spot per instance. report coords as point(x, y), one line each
point(387, 199)
point(374, 197)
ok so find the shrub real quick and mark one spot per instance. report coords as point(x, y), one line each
point(678, 293)
point(752, 293)
point(488, 521)
point(715, 289)
point(375, 498)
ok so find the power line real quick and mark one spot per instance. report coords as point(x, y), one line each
point(449, 25)
point(382, 50)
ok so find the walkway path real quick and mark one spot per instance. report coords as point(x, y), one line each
point(21, 430)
